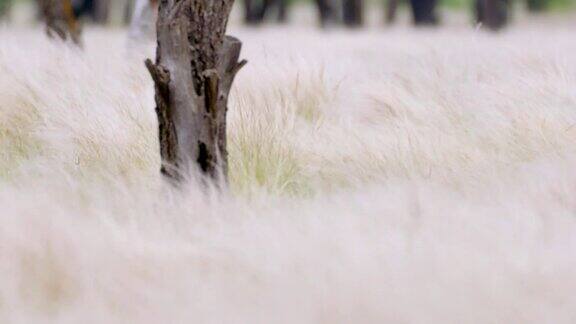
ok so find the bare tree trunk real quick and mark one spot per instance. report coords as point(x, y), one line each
point(353, 12)
point(60, 19)
point(492, 13)
point(193, 74)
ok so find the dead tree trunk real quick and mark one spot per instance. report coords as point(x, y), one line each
point(492, 13)
point(353, 12)
point(195, 66)
point(60, 19)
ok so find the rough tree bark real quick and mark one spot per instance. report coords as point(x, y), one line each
point(60, 19)
point(353, 12)
point(195, 66)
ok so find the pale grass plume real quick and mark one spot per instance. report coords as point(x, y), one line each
point(389, 176)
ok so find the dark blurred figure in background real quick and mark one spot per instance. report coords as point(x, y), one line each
point(537, 6)
point(59, 20)
point(353, 12)
point(390, 11)
point(423, 12)
point(96, 10)
point(5, 9)
point(250, 12)
point(326, 12)
point(492, 13)
point(256, 11)
point(280, 6)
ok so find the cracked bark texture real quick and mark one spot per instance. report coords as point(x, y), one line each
point(60, 19)
point(195, 66)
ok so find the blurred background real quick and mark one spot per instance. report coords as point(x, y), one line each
point(490, 14)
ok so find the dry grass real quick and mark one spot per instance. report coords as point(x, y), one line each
point(391, 176)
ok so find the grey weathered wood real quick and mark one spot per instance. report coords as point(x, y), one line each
point(60, 20)
point(194, 70)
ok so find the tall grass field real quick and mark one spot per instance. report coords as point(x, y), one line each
point(381, 175)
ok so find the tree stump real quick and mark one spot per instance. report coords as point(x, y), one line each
point(195, 66)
